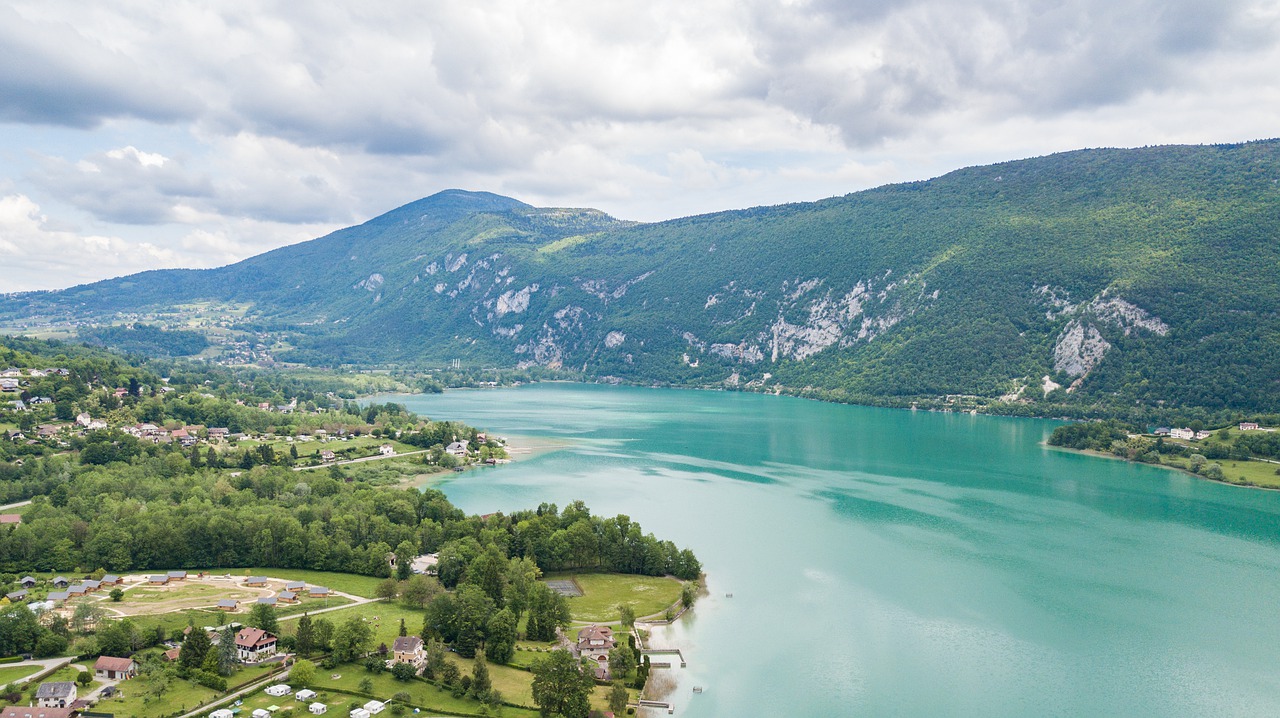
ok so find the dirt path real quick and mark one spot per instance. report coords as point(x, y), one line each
point(378, 457)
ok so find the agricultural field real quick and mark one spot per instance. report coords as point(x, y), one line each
point(353, 584)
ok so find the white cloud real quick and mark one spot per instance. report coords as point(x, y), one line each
point(36, 255)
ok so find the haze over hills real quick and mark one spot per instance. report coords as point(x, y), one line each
point(1134, 278)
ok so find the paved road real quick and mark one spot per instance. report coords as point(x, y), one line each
point(43, 664)
point(18, 505)
point(360, 460)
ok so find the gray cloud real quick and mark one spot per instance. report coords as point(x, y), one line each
point(52, 74)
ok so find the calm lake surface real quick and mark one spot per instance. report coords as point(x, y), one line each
point(897, 563)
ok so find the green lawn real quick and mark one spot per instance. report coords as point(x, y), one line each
point(8, 674)
point(424, 695)
point(603, 592)
point(384, 617)
point(1254, 473)
point(136, 698)
point(183, 591)
point(175, 621)
point(345, 582)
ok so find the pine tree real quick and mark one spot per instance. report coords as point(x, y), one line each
point(481, 684)
point(403, 631)
point(227, 654)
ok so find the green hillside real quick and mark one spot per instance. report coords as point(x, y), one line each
point(1135, 281)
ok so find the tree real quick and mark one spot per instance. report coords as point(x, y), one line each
point(500, 641)
point(522, 575)
point(403, 631)
point(387, 588)
point(622, 660)
point(627, 615)
point(304, 638)
point(618, 698)
point(263, 615)
point(351, 639)
point(117, 594)
point(471, 619)
point(547, 612)
point(436, 658)
point(688, 594)
point(85, 616)
point(560, 686)
point(113, 639)
point(404, 560)
point(418, 591)
point(488, 572)
point(481, 684)
point(403, 671)
point(323, 634)
point(194, 648)
point(227, 654)
point(84, 678)
point(366, 685)
point(303, 672)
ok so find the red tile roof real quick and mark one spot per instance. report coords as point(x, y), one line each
point(110, 663)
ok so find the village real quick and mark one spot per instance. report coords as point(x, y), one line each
point(266, 681)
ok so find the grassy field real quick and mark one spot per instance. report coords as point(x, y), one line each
point(182, 592)
point(383, 617)
point(1253, 473)
point(174, 622)
point(602, 593)
point(8, 674)
point(423, 695)
point(137, 699)
point(345, 582)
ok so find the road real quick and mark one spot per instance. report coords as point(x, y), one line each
point(18, 505)
point(43, 663)
point(357, 461)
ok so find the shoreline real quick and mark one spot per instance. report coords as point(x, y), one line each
point(1178, 469)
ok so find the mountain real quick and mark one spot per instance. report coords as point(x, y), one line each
point(1096, 278)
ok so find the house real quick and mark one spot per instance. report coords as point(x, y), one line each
point(91, 585)
point(61, 582)
point(112, 580)
point(1248, 426)
point(267, 600)
point(222, 713)
point(46, 431)
point(305, 694)
point(387, 450)
point(278, 690)
point(1182, 434)
point(16, 596)
point(40, 400)
point(288, 597)
point(1161, 431)
point(326, 455)
point(256, 581)
point(83, 418)
point(177, 575)
point(262, 713)
point(158, 580)
point(318, 708)
point(172, 654)
point(595, 642)
point(217, 434)
point(375, 707)
point(318, 592)
point(15, 435)
point(295, 586)
point(27, 581)
point(254, 644)
point(457, 448)
point(35, 712)
point(77, 590)
point(359, 713)
point(409, 649)
point(10, 518)
point(1201, 435)
point(57, 597)
point(115, 669)
point(8, 384)
point(228, 604)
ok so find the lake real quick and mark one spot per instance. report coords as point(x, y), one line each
point(896, 563)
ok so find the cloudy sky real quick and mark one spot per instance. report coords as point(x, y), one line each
point(146, 134)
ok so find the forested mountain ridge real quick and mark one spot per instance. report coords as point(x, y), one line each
point(1095, 280)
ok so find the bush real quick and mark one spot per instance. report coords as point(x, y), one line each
point(404, 671)
point(402, 697)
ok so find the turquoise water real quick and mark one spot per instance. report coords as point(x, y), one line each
point(896, 563)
